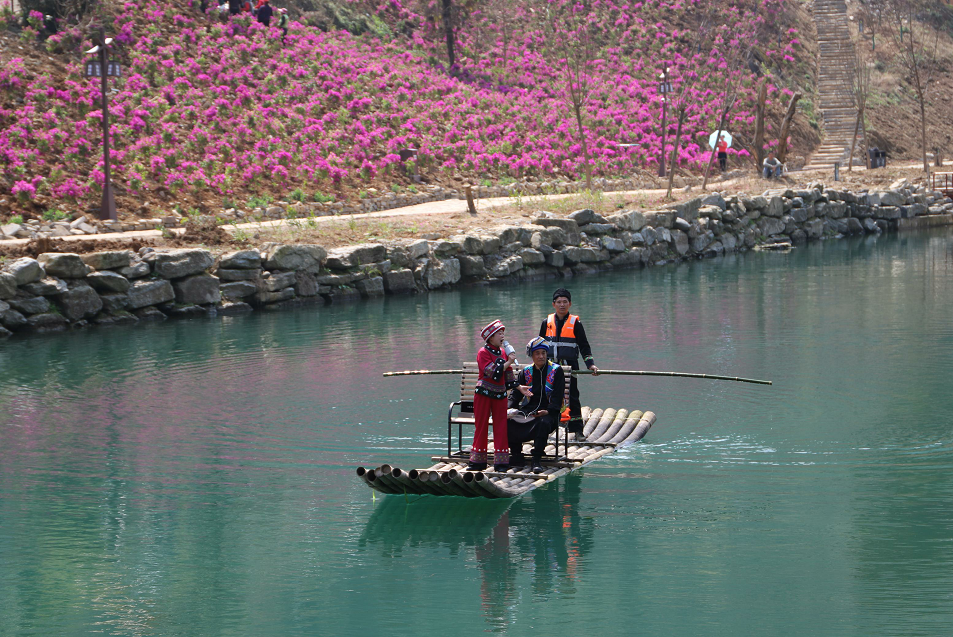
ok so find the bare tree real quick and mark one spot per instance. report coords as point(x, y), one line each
point(917, 46)
point(786, 127)
point(861, 89)
point(570, 43)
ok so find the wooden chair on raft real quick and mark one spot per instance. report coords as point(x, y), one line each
point(464, 415)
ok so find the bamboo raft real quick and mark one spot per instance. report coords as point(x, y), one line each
point(605, 432)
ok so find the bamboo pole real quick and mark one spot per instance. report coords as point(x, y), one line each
point(424, 372)
point(605, 372)
point(630, 372)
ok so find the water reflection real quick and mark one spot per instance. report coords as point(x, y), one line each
point(541, 536)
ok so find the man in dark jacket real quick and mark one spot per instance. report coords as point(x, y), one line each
point(534, 417)
point(264, 13)
point(568, 340)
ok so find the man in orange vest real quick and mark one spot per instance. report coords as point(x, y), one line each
point(568, 340)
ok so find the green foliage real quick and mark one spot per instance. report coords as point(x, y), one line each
point(15, 219)
point(363, 194)
point(412, 188)
point(320, 197)
point(259, 201)
point(297, 195)
point(395, 188)
point(55, 214)
point(242, 236)
point(806, 106)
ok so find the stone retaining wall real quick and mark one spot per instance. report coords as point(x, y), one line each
point(62, 290)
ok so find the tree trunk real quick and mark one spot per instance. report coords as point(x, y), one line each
point(785, 127)
point(448, 27)
point(863, 127)
point(674, 163)
point(853, 142)
point(759, 125)
point(923, 131)
point(577, 107)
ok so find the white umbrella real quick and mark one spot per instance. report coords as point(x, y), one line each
point(725, 136)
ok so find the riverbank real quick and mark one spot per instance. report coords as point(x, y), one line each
point(61, 290)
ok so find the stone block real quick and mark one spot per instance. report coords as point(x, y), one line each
point(680, 242)
point(11, 318)
point(275, 297)
point(370, 287)
point(65, 265)
point(854, 226)
point(150, 313)
point(47, 286)
point(108, 281)
point(199, 289)
point(441, 272)
point(25, 270)
point(814, 228)
point(274, 281)
point(599, 229)
point(631, 220)
point(113, 302)
point(8, 285)
point(530, 256)
point(419, 248)
point(237, 290)
point(137, 270)
point(699, 243)
point(29, 303)
point(111, 260)
point(176, 264)
point(582, 217)
point(888, 212)
point(770, 226)
point(240, 260)
point(687, 210)
point(238, 275)
point(46, 323)
point(79, 302)
point(568, 226)
point(714, 199)
point(234, 309)
point(351, 256)
point(402, 281)
point(555, 258)
point(472, 266)
point(143, 293)
point(306, 284)
point(775, 207)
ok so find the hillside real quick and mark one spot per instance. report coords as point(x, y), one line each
point(215, 111)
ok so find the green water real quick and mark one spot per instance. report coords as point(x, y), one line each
point(197, 477)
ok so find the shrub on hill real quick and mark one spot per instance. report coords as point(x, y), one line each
point(211, 107)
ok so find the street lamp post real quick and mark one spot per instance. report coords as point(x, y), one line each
point(663, 88)
point(102, 68)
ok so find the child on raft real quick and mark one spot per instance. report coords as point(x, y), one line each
point(489, 398)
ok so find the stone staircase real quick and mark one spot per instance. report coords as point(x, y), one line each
point(835, 71)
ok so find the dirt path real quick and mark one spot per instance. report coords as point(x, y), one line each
point(457, 209)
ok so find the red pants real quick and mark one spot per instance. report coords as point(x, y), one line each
point(483, 408)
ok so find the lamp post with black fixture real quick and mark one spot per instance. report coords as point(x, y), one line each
point(103, 68)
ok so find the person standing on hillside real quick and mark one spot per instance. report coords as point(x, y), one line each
point(567, 339)
point(264, 13)
point(283, 22)
point(723, 155)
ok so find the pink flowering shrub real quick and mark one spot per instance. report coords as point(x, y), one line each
point(226, 107)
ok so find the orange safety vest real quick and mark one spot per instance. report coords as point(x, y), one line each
point(565, 348)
